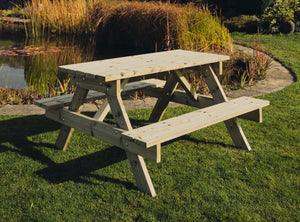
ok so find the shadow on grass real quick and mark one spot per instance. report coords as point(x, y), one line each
point(16, 131)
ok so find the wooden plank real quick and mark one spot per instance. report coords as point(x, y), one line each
point(169, 129)
point(185, 84)
point(66, 132)
point(164, 98)
point(255, 116)
point(102, 111)
point(137, 163)
point(214, 85)
point(105, 108)
point(65, 100)
point(180, 96)
point(139, 65)
point(218, 68)
point(102, 131)
point(202, 101)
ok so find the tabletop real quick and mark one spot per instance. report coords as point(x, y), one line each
point(139, 65)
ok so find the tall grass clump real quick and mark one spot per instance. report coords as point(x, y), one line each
point(61, 16)
point(142, 25)
point(199, 30)
point(160, 26)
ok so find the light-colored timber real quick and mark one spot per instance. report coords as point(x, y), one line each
point(202, 101)
point(100, 130)
point(106, 76)
point(65, 100)
point(139, 65)
point(169, 129)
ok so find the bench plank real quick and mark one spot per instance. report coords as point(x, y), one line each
point(65, 100)
point(202, 101)
point(169, 129)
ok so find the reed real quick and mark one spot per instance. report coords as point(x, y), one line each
point(162, 26)
point(61, 16)
point(199, 30)
point(146, 25)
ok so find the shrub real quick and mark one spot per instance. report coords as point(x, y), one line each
point(150, 26)
point(280, 11)
point(68, 16)
point(243, 69)
point(243, 23)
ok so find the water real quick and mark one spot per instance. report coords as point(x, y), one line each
point(33, 63)
point(12, 77)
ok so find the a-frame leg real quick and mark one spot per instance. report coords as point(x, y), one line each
point(65, 131)
point(218, 94)
point(137, 163)
point(164, 98)
point(103, 111)
point(186, 85)
point(105, 108)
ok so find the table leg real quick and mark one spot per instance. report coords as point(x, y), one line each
point(232, 125)
point(137, 163)
point(65, 131)
point(164, 98)
point(104, 108)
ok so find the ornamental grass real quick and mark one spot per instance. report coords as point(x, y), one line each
point(148, 26)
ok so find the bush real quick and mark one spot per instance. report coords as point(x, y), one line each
point(279, 12)
point(243, 23)
point(150, 26)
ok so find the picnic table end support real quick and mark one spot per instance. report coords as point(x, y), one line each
point(66, 132)
point(137, 163)
point(235, 130)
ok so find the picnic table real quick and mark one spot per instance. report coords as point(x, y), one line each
point(108, 79)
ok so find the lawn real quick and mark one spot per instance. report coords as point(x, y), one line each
point(202, 177)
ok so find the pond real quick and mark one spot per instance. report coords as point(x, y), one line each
point(32, 63)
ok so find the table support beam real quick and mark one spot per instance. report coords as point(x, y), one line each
point(104, 108)
point(233, 127)
point(137, 162)
point(65, 131)
point(164, 99)
point(186, 85)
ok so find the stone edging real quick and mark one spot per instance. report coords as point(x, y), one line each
point(278, 78)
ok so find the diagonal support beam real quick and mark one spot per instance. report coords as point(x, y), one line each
point(186, 85)
point(65, 131)
point(164, 98)
point(233, 127)
point(137, 162)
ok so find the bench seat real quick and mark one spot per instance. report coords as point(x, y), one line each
point(157, 133)
point(65, 100)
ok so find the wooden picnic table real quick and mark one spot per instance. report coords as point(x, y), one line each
point(108, 79)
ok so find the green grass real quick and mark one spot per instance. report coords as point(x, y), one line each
point(202, 177)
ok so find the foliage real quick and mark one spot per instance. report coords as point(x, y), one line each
point(203, 32)
point(16, 11)
point(142, 25)
point(243, 23)
point(18, 96)
point(229, 8)
point(74, 17)
point(280, 11)
point(242, 70)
